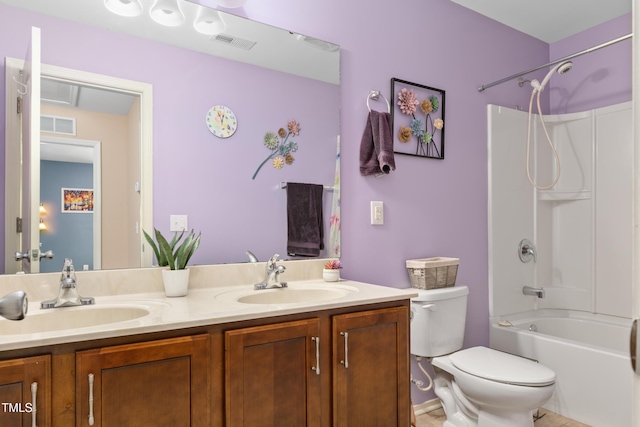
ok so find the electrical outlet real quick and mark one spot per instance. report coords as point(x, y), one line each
point(377, 213)
point(177, 222)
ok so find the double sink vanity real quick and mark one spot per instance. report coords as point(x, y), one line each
point(313, 354)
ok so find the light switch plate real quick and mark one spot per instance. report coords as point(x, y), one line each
point(177, 222)
point(377, 213)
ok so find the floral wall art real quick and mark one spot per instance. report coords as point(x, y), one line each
point(418, 119)
point(281, 145)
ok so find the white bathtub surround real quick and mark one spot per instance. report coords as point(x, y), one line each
point(589, 354)
point(582, 229)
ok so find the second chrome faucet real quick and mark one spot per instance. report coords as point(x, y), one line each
point(272, 275)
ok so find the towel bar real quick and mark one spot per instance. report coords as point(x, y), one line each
point(326, 187)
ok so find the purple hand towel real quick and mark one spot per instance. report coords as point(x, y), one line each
point(376, 146)
point(305, 229)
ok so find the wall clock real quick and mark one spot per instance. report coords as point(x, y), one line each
point(221, 121)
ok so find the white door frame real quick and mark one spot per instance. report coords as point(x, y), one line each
point(12, 158)
point(97, 189)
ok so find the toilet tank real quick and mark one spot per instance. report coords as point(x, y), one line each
point(437, 321)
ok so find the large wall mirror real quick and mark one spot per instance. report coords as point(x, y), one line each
point(267, 76)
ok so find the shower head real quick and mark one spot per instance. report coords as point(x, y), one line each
point(561, 68)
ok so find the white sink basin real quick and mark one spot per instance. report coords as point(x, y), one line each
point(294, 294)
point(71, 318)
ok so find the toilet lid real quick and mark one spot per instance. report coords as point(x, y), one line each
point(502, 367)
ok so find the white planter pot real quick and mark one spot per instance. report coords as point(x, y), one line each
point(176, 282)
point(330, 275)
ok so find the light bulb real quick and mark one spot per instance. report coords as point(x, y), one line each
point(167, 12)
point(128, 8)
point(209, 22)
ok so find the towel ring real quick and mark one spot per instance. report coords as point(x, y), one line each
point(375, 94)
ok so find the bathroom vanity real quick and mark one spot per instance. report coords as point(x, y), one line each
point(209, 360)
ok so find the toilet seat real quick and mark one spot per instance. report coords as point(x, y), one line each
point(502, 367)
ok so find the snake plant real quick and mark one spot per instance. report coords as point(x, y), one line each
point(170, 253)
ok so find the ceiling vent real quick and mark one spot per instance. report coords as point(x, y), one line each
point(234, 41)
point(60, 125)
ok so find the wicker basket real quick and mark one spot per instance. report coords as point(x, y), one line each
point(432, 273)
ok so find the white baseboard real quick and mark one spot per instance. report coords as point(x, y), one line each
point(428, 406)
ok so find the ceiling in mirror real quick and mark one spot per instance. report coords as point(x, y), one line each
point(270, 47)
point(73, 95)
point(549, 20)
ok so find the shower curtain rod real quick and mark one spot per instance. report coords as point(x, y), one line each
point(557, 61)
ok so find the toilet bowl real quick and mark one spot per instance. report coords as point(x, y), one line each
point(489, 388)
point(477, 386)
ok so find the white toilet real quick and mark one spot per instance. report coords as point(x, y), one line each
point(478, 386)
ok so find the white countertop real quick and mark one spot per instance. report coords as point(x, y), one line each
point(202, 306)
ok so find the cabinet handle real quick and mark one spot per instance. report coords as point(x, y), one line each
point(345, 362)
point(34, 408)
point(91, 419)
point(317, 367)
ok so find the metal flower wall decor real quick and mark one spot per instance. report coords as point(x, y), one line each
point(281, 145)
point(425, 126)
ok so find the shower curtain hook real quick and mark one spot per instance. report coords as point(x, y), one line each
point(20, 84)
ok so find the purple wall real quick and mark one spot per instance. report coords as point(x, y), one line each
point(599, 78)
point(432, 207)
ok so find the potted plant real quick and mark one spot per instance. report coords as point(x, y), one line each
point(175, 254)
point(331, 271)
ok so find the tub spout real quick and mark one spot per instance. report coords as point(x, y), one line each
point(536, 292)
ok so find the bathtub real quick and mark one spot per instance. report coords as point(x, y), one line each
point(589, 353)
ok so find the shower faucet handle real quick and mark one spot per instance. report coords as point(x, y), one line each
point(527, 251)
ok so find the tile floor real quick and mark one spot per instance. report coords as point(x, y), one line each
point(550, 419)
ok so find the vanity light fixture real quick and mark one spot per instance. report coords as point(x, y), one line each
point(42, 225)
point(42, 209)
point(167, 12)
point(231, 4)
point(128, 8)
point(209, 22)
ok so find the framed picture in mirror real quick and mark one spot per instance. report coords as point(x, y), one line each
point(77, 200)
point(417, 118)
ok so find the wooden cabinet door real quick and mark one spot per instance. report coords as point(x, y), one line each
point(163, 383)
point(23, 381)
point(272, 376)
point(371, 368)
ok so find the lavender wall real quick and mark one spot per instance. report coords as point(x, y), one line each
point(598, 79)
point(431, 207)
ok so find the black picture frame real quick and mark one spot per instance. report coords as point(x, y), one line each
point(426, 138)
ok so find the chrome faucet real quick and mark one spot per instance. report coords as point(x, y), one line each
point(271, 275)
point(68, 295)
point(536, 292)
point(14, 306)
